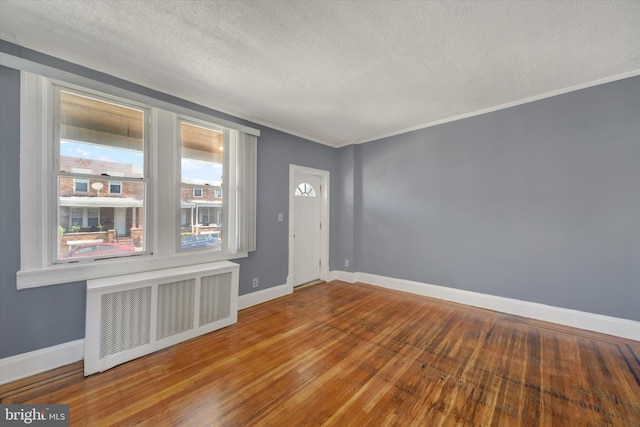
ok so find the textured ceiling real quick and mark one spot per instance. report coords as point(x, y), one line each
point(339, 71)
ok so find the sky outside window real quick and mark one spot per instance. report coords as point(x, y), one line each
point(193, 171)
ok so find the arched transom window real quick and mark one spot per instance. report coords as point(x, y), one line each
point(305, 190)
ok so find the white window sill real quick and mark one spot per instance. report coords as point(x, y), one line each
point(85, 270)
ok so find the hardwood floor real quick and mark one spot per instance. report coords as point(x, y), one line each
point(343, 354)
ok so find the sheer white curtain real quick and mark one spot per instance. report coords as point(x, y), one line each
point(245, 184)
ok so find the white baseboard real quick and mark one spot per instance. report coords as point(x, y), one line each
point(258, 297)
point(623, 328)
point(345, 276)
point(34, 362)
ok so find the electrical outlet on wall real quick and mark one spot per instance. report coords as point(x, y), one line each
point(255, 282)
point(346, 262)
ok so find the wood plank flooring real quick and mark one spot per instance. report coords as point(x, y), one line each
point(341, 354)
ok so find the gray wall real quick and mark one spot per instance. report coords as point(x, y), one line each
point(539, 202)
point(41, 317)
point(342, 210)
point(276, 151)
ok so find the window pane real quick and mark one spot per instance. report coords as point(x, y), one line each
point(75, 221)
point(81, 185)
point(98, 217)
point(201, 220)
point(100, 138)
point(93, 217)
point(201, 174)
point(305, 190)
point(100, 224)
point(115, 187)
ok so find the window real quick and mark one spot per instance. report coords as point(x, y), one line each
point(305, 190)
point(115, 187)
point(100, 175)
point(81, 218)
point(202, 163)
point(75, 221)
point(81, 185)
point(96, 137)
point(93, 217)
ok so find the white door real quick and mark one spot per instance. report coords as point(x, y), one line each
point(120, 221)
point(306, 234)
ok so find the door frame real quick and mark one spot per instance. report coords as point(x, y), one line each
point(324, 219)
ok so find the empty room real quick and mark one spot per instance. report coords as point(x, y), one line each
point(300, 213)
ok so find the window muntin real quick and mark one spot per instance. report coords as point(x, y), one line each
point(97, 138)
point(202, 167)
point(305, 190)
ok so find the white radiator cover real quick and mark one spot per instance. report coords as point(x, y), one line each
point(136, 314)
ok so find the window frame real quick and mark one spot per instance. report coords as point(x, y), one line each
point(228, 170)
point(118, 183)
point(72, 210)
point(38, 151)
point(51, 107)
point(77, 181)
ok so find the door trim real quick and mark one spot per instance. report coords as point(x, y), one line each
point(324, 219)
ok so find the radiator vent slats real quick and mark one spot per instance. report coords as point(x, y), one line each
point(214, 290)
point(175, 307)
point(125, 321)
point(133, 315)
